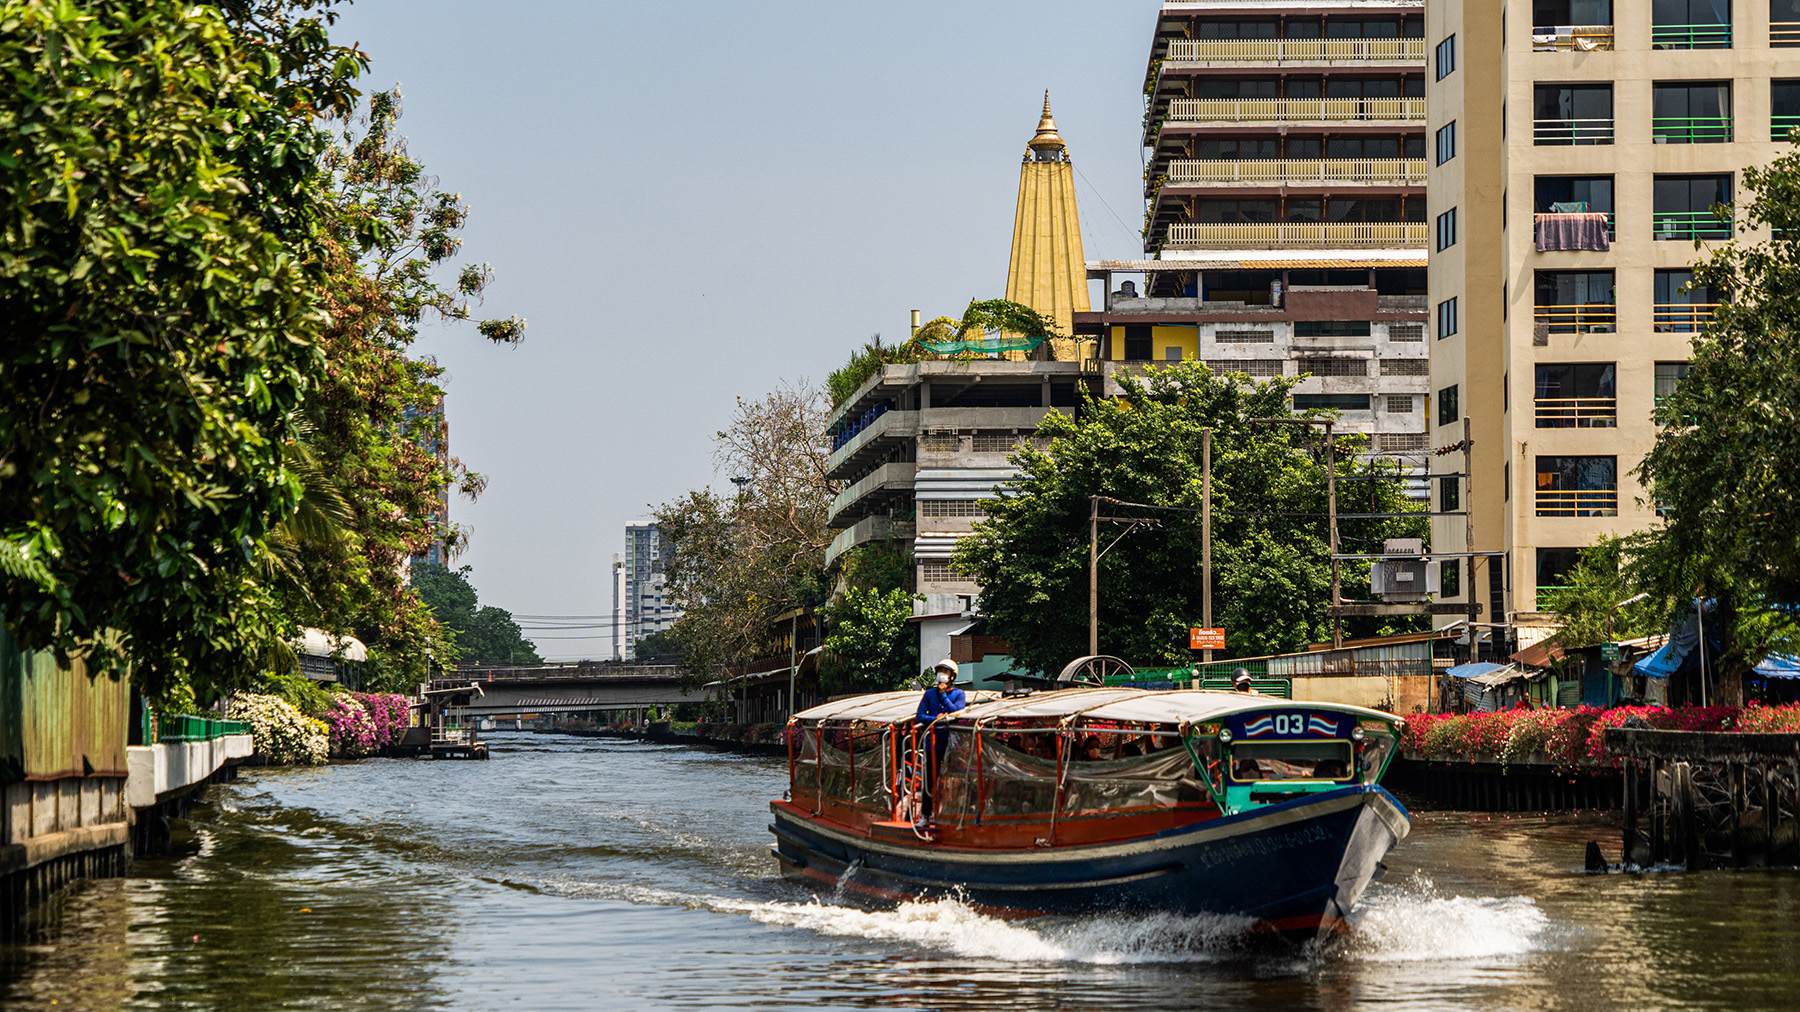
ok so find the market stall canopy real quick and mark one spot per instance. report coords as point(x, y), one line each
point(1779, 666)
point(1474, 669)
point(319, 643)
point(1541, 654)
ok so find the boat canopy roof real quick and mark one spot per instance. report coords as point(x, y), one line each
point(1140, 705)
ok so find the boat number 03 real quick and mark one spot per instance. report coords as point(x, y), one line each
point(1290, 723)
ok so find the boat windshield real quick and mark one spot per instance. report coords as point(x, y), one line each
point(1292, 760)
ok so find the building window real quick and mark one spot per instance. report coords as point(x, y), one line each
point(1446, 318)
point(1399, 442)
point(932, 571)
point(1784, 24)
point(1446, 58)
point(1668, 377)
point(1446, 230)
point(1331, 402)
point(1572, 114)
point(1406, 332)
point(1784, 107)
point(1690, 24)
point(1573, 195)
point(1244, 337)
point(1137, 343)
point(1406, 367)
point(1575, 302)
point(1554, 566)
point(1449, 411)
point(1691, 207)
point(1450, 578)
point(1400, 404)
point(1691, 112)
point(953, 507)
point(1331, 328)
point(1682, 307)
point(1334, 366)
point(996, 442)
point(1449, 494)
point(1576, 395)
point(1577, 486)
point(1446, 142)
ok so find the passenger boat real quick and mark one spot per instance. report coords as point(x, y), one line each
point(1093, 800)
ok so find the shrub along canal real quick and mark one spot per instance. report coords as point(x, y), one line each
point(579, 873)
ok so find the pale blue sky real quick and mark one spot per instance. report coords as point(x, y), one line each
point(693, 202)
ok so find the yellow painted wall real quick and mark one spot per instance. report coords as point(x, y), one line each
point(1161, 340)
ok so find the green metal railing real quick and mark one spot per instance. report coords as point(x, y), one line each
point(1690, 37)
point(1689, 225)
point(1780, 124)
point(1691, 129)
point(186, 728)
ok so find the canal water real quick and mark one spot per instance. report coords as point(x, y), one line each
point(573, 873)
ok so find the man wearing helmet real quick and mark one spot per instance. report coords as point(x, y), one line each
point(942, 698)
point(1240, 680)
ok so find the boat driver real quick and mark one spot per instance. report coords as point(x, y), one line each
point(1240, 680)
point(943, 697)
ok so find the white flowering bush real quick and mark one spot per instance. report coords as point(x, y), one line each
point(282, 734)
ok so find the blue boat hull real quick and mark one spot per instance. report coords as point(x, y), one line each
point(1294, 869)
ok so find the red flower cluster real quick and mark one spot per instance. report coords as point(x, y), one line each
point(1570, 738)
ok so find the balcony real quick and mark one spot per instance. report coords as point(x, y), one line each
point(1710, 36)
point(1585, 502)
point(1576, 230)
point(1572, 131)
point(1295, 50)
point(1590, 318)
point(1288, 171)
point(886, 485)
point(1296, 110)
point(868, 438)
point(1675, 225)
point(1571, 38)
point(1384, 234)
point(1784, 34)
point(874, 528)
point(1691, 130)
point(1577, 412)
point(1683, 317)
point(1780, 124)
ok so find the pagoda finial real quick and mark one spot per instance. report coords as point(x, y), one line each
point(1046, 138)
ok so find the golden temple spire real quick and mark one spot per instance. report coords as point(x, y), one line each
point(1047, 138)
point(1046, 270)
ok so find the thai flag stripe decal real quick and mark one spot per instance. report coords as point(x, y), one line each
point(1319, 725)
point(1260, 726)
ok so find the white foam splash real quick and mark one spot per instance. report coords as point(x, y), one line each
point(1414, 922)
point(952, 926)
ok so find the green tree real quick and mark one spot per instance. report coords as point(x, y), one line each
point(978, 319)
point(872, 642)
point(158, 199)
point(1271, 565)
point(480, 634)
point(658, 648)
point(1722, 471)
point(1590, 606)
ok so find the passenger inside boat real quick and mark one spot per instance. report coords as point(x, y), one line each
point(1291, 760)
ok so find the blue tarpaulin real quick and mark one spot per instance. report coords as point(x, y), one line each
point(1473, 668)
point(1779, 666)
point(1677, 653)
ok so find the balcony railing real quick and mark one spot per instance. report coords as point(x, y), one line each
point(1392, 171)
point(1293, 50)
point(1691, 129)
point(1572, 131)
point(1592, 318)
point(1297, 233)
point(1585, 502)
point(1780, 124)
point(1689, 225)
point(1784, 34)
point(1571, 38)
point(1577, 412)
point(1683, 317)
point(1296, 110)
point(1690, 36)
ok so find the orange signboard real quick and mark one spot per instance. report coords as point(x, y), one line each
point(1206, 639)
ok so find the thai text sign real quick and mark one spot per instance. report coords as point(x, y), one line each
point(1206, 639)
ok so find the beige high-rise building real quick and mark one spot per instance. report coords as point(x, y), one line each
point(1284, 228)
point(1577, 154)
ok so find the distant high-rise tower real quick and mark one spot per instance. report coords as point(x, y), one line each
point(1047, 271)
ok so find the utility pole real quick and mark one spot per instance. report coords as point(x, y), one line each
point(793, 659)
point(1206, 535)
point(1337, 620)
point(1093, 575)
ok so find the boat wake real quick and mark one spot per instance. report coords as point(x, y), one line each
point(1396, 924)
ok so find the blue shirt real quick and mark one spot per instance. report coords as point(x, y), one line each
point(937, 701)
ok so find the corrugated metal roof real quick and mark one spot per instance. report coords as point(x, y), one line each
point(1155, 266)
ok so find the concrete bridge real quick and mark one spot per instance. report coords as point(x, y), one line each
point(564, 688)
